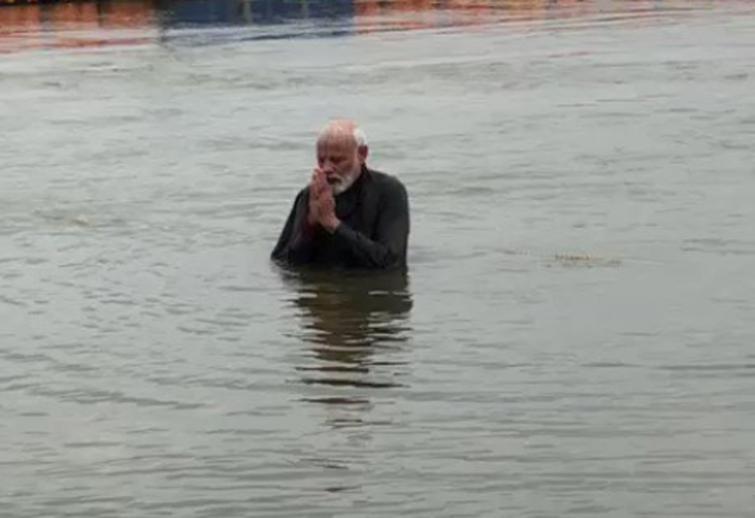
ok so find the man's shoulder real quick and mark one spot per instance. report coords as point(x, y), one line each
point(303, 193)
point(386, 182)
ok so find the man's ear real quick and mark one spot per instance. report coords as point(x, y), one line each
point(363, 151)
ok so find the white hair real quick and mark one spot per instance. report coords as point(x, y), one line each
point(360, 139)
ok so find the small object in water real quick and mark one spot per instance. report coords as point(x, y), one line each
point(81, 220)
point(586, 260)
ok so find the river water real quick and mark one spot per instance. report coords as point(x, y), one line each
point(575, 333)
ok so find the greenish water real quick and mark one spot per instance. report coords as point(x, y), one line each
point(574, 335)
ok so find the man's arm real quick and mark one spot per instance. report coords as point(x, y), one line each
point(295, 242)
point(388, 248)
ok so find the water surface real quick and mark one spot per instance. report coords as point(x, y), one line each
point(573, 337)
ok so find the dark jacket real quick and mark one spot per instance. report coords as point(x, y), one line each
point(374, 229)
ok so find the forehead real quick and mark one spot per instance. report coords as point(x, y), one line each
point(336, 145)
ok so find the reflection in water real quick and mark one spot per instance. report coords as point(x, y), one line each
point(355, 326)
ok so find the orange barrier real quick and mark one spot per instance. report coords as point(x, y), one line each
point(45, 25)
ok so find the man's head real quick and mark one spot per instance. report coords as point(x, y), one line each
point(341, 152)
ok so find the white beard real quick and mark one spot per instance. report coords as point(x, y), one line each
point(344, 184)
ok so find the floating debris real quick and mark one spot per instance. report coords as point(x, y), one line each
point(586, 260)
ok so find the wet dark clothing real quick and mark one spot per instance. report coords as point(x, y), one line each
point(374, 229)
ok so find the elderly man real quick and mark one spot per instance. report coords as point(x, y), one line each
point(349, 216)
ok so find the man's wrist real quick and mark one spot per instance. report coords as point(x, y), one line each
point(331, 225)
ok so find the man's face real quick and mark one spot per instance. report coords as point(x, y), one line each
point(341, 162)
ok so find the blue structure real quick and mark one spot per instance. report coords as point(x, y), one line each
point(245, 12)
